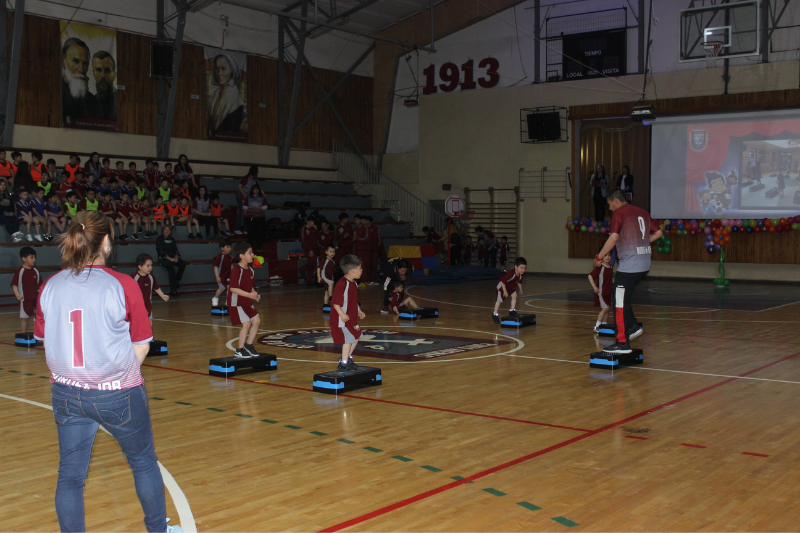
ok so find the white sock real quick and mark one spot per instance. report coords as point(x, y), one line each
point(214, 301)
point(597, 324)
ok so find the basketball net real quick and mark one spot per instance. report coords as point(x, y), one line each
point(712, 50)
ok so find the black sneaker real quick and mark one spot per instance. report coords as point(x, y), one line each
point(618, 347)
point(351, 365)
point(191, 236)
point(513, 313)
point(123, 238)
point(342, 368)
point(496, 318)
point(249, 348)
point(241, 353)
point(134, 237)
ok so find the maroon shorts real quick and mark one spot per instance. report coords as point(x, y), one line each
point(240, 315)
point(27, 308)
point(344, 335)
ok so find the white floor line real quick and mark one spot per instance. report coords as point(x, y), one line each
point(187, 522)
point(637, 367)
point(266, 293)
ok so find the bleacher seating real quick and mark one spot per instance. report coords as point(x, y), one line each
point(320, 187)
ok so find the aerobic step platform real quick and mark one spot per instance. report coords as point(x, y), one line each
point(24, 340)
point(610, 330)
point(157, 348)
point(519, 321)
point(228, 366)
point(611, 361)
point(219, 310)
point(757, 187)
point(336, 383)
point(326, 308)
point(419, 312)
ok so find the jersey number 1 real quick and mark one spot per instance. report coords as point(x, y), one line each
point(76, 318)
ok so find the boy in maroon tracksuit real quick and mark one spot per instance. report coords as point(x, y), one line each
point(325, 238)
point(325, 269)
point(361, 247)
point(308, 240)
point(344, 237)
point(510, 284)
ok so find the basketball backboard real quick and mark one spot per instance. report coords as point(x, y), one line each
point(735, 24)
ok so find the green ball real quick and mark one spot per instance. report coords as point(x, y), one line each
point(668, 242)
point(795, 226)
point(726, 282)
point(667, 249)
point(702, 225)
point(597, 230)
point(583, 229)
point(717, 281)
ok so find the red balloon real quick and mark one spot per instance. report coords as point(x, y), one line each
point(692, 233)
point(726, 232)
point(758, 229)
point(767, 223)
point(578, 228)
point(787, 227)
point(783, 221)
point(726, 240)
point(772, 229)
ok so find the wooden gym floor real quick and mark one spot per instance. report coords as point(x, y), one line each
point(518, 436)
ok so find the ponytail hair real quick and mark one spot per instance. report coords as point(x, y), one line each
point(82, 243)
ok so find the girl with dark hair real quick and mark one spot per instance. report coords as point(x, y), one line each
point(245, 184)
point(93, 167)
point(183, 170)
point(625, 182)
point(599, 182)
point(201, 210)
point(255, 217)
point(170, 259)
point(96, 379)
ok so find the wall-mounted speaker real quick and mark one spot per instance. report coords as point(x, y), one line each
point(162, 59)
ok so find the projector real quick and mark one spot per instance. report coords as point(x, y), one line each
point(644, 114)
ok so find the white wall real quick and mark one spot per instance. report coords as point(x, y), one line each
point(247, 31)
point(509, 37)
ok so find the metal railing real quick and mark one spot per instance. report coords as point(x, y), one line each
point(403, 205)
point(543, 184)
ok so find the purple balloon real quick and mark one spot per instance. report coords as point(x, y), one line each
point(709, 238)
point(707, 230)
point(716, 247)
point(710, 249)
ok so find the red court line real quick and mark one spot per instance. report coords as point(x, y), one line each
point(383, 401)
point(692, 445)
point(755, 454)
point(554, 447)
point(637, 438)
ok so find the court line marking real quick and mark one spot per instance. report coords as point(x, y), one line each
point(178, 497)
point(543, 451)
point(520, 345)
point(640, 367)
point(378, 400)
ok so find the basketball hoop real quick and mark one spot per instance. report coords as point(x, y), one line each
point(712, 50)
point(465, 216)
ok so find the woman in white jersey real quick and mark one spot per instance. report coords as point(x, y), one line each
point(96, 334)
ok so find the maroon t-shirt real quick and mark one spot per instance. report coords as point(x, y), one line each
point(224, 262)
point(308, 238)
point(28, 281)
point(634, 227)
point(326, 267)
point(344, 235)
point(325, 239)
point(603, 278)
point(511, 280)
point(148, 284)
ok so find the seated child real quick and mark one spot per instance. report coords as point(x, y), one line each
point(90, 203)
point(27, 214)
point(325, 269)
point(396, 301)
point(601, 279)
point(38, 209)
point(510, 283)
point(222, 270)
point(26, 283)
point(241, 294)
point(144, 277)
point(123, 217)
point(344, 327)
point(222, 223)
point(146, 219)
point(185, 216)
point(54, 216)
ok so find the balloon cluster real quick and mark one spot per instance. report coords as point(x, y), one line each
point(587, 226)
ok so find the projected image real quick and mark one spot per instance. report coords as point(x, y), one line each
point(726, 166)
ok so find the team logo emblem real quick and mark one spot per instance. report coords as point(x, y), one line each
point(383, 344)
point(698, 140)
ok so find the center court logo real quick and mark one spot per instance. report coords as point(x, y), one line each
point(383, 344)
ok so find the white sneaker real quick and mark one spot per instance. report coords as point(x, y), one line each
point(238, 232)
point(214, 302)
point(173, 529)
point(18, 238)
point(635, 334)
point(17, 235)
point(28, 236)
point(38, 237)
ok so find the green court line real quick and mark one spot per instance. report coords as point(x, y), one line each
point(494, 492)
point(14, 371)
point(293, 427)
point(401, 458)
point(268, 421)
point(529, 506)
point(431, 468)
point(244, 416)
point(459, 478)
point(44, 377)
point(215, 409)
point(183, 403)
point(564, 522)
point(27, 374)
point(156, 398)
point(346, 441)
point(373, 450)
point(318, 433)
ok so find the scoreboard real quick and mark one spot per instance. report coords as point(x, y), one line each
point(593, 54)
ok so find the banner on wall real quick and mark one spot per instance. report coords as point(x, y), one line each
point(226, 95)
point(88, 77)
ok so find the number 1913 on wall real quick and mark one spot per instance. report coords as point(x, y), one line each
point(450, 76)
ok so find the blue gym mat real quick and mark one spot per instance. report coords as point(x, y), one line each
point(457, 274)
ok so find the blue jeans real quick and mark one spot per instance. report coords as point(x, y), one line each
point(124, 413)
point(239, 214)
point(10, 222)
